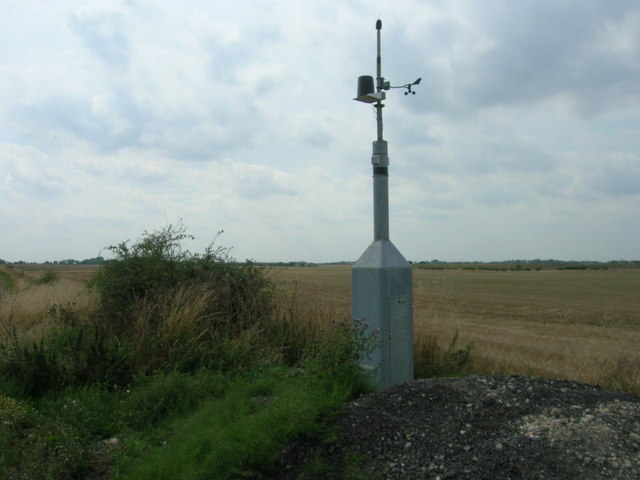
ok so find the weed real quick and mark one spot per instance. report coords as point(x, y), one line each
point(49, 276)
point(336, 354)
point(7, 282)
point(69, 356)
point(168, 395)
point(32, 446)
point(433, 361)
point(623, 374)
point(62, 314)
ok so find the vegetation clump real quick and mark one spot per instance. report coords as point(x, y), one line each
point(175, 339)
point(49, 276)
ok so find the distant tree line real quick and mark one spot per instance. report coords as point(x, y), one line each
point(566, 264)
point(534, 261)
point(286, 264)
point(299, 263)
point(525, 265)
point(68, 261)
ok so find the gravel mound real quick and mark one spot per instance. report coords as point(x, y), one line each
point(479, 427)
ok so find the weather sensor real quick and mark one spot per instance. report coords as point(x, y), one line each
point(382, 280)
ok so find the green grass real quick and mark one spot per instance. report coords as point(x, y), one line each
point(49, 276)
point(169, 426)
point(7, 282)
point(243, 432)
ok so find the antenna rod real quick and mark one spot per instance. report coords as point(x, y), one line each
point(379, 82)
point(378, 58)
point(380, 161)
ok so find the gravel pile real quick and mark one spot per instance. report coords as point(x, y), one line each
point(479, 427)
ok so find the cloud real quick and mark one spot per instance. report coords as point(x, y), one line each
point(522, 139)
point(104, 35)
point(617, 175)
point(509, 54)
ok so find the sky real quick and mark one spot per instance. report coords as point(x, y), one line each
point(120, 117)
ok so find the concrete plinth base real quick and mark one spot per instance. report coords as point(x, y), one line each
point(382, 297)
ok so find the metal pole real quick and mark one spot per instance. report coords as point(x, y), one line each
point(379, 81)
point(382, 282)
point(380, 162)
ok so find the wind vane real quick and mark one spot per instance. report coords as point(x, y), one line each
point(382, 280)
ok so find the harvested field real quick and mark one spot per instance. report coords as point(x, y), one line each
point(27, 307)
point(581, 325)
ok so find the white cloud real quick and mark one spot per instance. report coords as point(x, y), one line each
point(522, 141)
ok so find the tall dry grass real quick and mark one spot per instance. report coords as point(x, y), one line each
point(178, 322)
point(28, 308)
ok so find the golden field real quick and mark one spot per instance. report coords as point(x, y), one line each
point(27, 307)
point(581, 325)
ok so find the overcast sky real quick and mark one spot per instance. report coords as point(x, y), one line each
point(523, 140)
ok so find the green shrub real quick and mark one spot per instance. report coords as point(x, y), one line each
point(335, 356)
point(167, 395)
point(93, 410)
point(7, 282)
point(35, 447)
point(435, 361)
point(47, 277)
point(151, 272)
point(67, 356)
point(32, 370)
point(154, 263)
point(161, 308)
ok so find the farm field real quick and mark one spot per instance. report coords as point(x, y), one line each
point(581, 325)
point(26, 302)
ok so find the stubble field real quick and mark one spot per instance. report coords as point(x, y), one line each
point(581, 325)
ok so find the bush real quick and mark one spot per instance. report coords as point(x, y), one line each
point(68, 356)
point(160, 308)
point(180, 310)
point(155, 262)
point(7, 282)
point(47, 277)
point(174, 332)
point(154, 268)
point(32, 446)
point(336, 355)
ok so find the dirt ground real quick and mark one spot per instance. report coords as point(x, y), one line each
point(479, 427)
